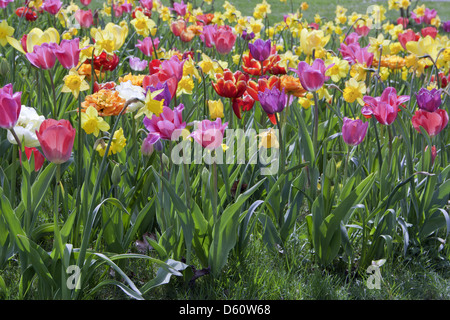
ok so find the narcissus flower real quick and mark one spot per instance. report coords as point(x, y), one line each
point(92, 123)
point(354, 91)
point(5, 32)
point(56, 140)
point(117, 144)
point(354, 131)
point(268, 139)
point(151, 106)
point(73, 82)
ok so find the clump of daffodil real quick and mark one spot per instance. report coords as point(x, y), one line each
point(117, 144)
point(151, 106)
point(376, 43)
point(313, 40)
point(5, 32)
point(74, 83)
point(92, 123)
point(262, 10)
point(354, 91)
point(215, 109)
point(288, 60)
point(110, 39)
point(307, 101)
point(143, 24)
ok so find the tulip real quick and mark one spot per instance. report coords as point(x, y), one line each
point(207, 35)
point(177, 26)
point(312, 77)
point(43, 56)
point(180, 8)
point(4, 3)
point(52, 6)
point(171, 68)
point(384, 108)
point(446, 26)
point(432, 122)
point(209, 134)
point(354, 131)
point(84, 18)
point(403, 21)
point(406, 37)
point(362, 30)
point(429, 31)
point(433, 153)
point(68, 53)
point(224, 39)
point(10, 107)
point(429, 100)
point(244, 103)
point(165, 94)
point(147, 4)
point(353, 53)
point(272, 100)
point(146, 45)
point(38, 157)
point(166, 124)
point(352, 38)
point(85, 2)
point(260, 49)
point(56, 139)
point(230, 85)
point(137, 64)
point(147, 147)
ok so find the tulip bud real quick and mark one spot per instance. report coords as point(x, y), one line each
point(116, 175)
point(330, 171)
point(4, 67)
point(165, 160)
point(205, 174)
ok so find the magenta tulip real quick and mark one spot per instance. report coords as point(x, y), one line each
point(68, 53)
point(10, 106)
point(166, 126)
point(384, 108)
point(146, 45)
point(207, 35)
point(43, 56)
point(354, 131)
point(52, 6)
point(209, 134)
point(312, 77)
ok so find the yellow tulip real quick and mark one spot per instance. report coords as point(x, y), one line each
point(34, 38)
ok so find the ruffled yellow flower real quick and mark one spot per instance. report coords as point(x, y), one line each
point(92, 123)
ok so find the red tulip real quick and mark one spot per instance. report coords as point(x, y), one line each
point(38, 157)
point(403, 21)
point(406, 37)
point(230, 85)
point(244, 103)
point(432, 122)
point(56, 139)
point(429, 31)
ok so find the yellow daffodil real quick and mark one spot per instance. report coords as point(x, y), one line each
point(339, 70)
point(312, 40)
point(5, 32)
point(288, 60)
point(143, 25)
point(151, 107)
point(354, 91)
point(185, 86)
point(92, 123)
point(117, 144)
point(268, 139)
point(74, 83)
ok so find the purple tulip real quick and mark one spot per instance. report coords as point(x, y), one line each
point(429, 100)
point(247, 36)
point(354, 131)
point(272, 100)
point(312, 77)
point(169, 123)
point(446, 26)
point(210, 134)
point(137, 64)
point(260, 49)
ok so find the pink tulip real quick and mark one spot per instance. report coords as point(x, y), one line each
point(146, 46)
point(4, 3)
point(68, 53)
point(312, 77)
point(147, 4)
point(10, 106)
point(56, 139)
point(406, 37)
point(224, 39)
point(384, 108)
point(432, 122)
point(84, 18)
point(171, 68)
point(180, 8)
point(354, 131)
point(352, 38)
point(85, 2)
point(362, 30)
point(43, 56)
point(52, 6)
point(169, 123)
point(210, 133)
point(207, 35)
point(429, 31)
point(353, 53)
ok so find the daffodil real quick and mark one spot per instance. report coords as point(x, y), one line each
point(74, 83)
point(5, 32)
point(288, 60)
point(268, 139)
point(354, 91)
point(117, 144)
point(92, 123)
point(339, 70)
point(215, 109)
point(143, 25)
point(185, 86)
point(312, 40)
point(151, 106)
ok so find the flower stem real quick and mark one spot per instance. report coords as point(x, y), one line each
point(316, 122)
point(214, 195)
point(282, 155)
point(54, 94)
